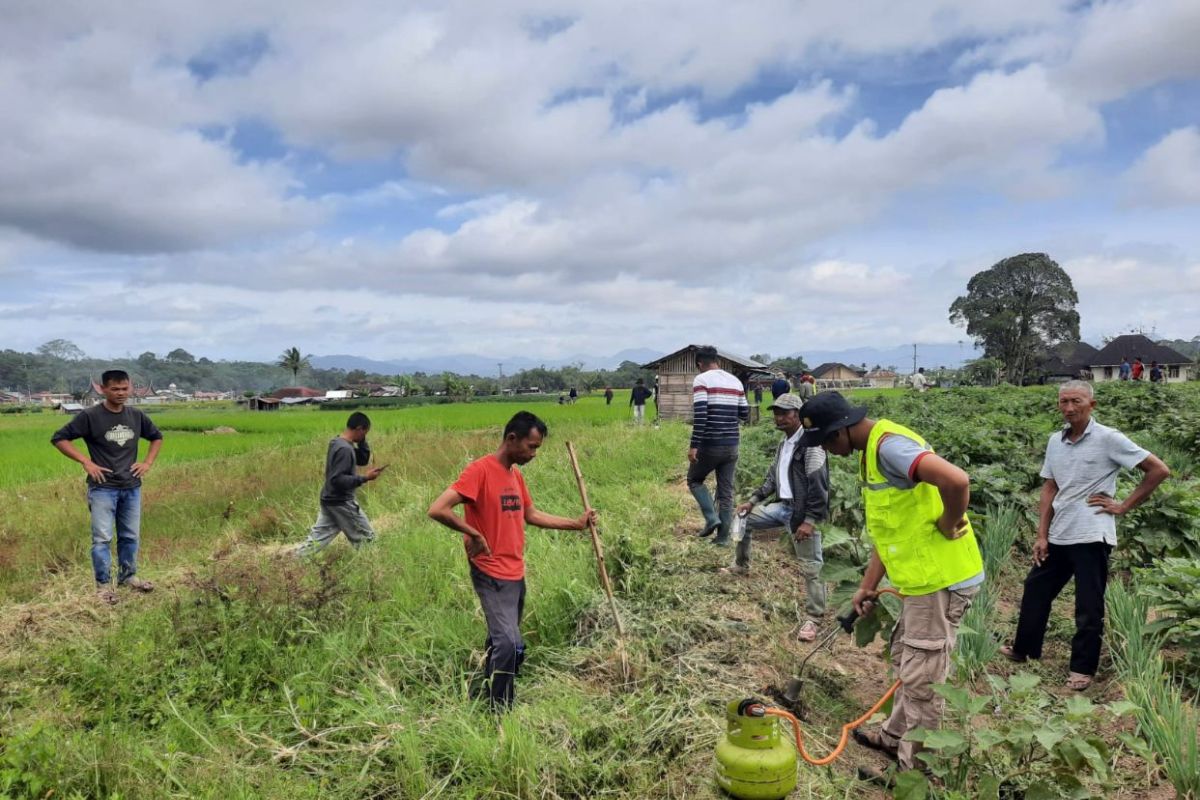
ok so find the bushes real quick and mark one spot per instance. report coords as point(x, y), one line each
point(1167, 722)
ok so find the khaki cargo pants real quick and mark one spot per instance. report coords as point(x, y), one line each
point(921, 645)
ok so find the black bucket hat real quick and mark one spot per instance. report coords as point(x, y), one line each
point(824, 415)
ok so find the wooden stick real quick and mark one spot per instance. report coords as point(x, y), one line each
point(596, 544)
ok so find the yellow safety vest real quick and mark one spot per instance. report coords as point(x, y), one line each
point(902, 524)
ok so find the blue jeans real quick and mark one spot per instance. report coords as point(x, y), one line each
point(121, 508)
point(767, 516)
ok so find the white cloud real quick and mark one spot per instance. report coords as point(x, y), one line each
point(1169, 172)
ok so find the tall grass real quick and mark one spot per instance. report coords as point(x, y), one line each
point(976, 646)
point(1166, 719)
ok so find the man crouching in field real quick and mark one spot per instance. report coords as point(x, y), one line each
point(497, 507)
point(111, 431)
point(340, 512)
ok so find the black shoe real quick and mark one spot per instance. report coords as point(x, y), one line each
point(709, 529)
point(879, 777)
point(721, 542)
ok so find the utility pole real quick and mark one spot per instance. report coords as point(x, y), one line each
point(500, 382)
point(914, 358)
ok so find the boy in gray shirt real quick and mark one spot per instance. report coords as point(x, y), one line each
point(339, 510)
point(1077, 528)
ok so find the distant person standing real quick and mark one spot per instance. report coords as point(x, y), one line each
point(1124, 371)
point(919, 381)
point(498, 505)
point(637, 400)
point(1156, 373)
point(339, 512)
point(718, 405)
point(758, 394)
point(572, 395)
point(1138, 368)
point(779, 387)
point(608, 395)
point(111, 431)
point(806, 387)
point(1077, 528)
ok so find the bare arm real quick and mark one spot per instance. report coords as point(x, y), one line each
point(142, 467)
point(1154, 472)
point(442, 511)
point(94, 470)
point(870, 583)
point(1041, 547)
point(954, 486)
point(544, 520)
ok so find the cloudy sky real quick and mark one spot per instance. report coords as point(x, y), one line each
point(551, 178)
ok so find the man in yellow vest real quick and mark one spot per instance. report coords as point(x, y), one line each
point(916, 517)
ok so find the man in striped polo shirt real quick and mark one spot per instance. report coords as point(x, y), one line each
point(718, 406)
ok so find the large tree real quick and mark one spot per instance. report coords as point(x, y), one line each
point(1018, 309)
point(293, 362)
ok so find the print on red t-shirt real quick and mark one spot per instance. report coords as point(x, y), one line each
point(496, 499)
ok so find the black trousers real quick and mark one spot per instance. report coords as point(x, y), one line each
point(1088, 564)
point(503, 604)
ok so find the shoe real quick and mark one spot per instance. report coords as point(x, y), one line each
point(877, 776)
point(719, 542)
point(808, 631)
point(1077, 681)
point(705, 502)
point(736, 569)
point(873, 741)
point(106, 595)
point(138, 585)
point(1012, 655)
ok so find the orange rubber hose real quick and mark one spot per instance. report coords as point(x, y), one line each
point(849, 726)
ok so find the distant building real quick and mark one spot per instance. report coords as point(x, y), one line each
point(292, 392)
point(1068, 361)
point(677, 370)
point(880, 379)
point(835, 375)
point(1106, 364)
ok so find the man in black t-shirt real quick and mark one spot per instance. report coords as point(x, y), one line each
point(111, 432)
point(637, 400)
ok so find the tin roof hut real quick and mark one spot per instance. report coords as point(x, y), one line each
point(677, 370)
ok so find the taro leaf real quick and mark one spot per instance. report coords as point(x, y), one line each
point(944, 739)
point(1079, 707)
point(911, 785)
point(832, 537)
point(988, 738)
point(958, 698)
point(1122, 707)
point(1041, 790)
point(1048, 737)
point(868, 626)
point(1023, 681)
point(988, 788)
point(1069, 752)
point(1091, 755)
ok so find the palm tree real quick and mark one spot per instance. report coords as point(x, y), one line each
point(292, 361)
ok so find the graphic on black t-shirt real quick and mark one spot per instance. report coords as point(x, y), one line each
point(510, 502)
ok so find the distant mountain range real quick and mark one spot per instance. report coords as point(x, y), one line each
point(900, 357)
point(467, 364)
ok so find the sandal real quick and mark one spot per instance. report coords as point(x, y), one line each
point(1012, 655)
point(734, 570)
point(106, 595)
point(874, 741)
point(808, 632)
point(138, 584)
point(1077, 681)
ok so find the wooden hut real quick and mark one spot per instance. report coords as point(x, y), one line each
point(835, 375)
point(675, 373)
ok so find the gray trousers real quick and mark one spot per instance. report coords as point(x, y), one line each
point(723, 461)
point(808, 551)
point(503, 604)
point(335, 518)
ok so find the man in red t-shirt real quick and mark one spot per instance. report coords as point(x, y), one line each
point(497, 506)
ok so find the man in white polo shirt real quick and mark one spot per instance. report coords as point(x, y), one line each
point(1077, 528)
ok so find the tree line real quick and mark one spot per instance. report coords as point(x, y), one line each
point(62, 366)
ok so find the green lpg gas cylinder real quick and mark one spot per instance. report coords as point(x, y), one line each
point(754, 760)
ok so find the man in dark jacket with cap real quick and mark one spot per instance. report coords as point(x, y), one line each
point(915, 504)
point(799, 480)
